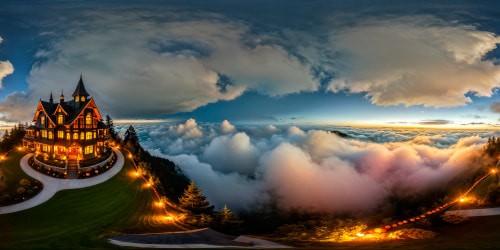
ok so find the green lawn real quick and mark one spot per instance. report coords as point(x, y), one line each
point(12, 172)
point(83, 218)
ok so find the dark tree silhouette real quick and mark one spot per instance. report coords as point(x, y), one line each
point(193, 200)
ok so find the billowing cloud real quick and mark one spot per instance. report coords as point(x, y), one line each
point(226, 127)
point(152, 63)
point(495, 107)
point(415, 61)
point(6, 68)
point(315, 170)
point(189, 129)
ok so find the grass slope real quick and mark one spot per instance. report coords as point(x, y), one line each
point(84, 218)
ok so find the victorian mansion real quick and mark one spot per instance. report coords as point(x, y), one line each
point(68, 130)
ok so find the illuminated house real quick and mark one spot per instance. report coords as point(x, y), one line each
point(68, 130)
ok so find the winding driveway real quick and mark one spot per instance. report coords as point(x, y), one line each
point(52, 185)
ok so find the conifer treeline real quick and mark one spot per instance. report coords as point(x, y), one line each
point(492, 147)
point(13, 137)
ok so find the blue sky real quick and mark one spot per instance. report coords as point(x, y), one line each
point(431, 63)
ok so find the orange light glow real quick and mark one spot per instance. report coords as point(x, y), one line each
point(378, 230)
point(493, 171)
point(136, 173)
point(20, 148)
point(130, 156)
point(159, 204)
point(360, 234)
point(169, 218)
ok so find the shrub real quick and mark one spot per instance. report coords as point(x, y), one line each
point(21, 190)
point(25, 182)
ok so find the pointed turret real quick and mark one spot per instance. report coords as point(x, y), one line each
point(51, 99)
point(61, 97)
point(80, 93)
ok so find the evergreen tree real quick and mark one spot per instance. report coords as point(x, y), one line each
point(228, 219)
point(193, 200)
point(131, 140)
point(111, 126)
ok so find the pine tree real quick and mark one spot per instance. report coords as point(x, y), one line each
point(193, 200)
point(111, 126)
point(131, 140)
point(228, 218)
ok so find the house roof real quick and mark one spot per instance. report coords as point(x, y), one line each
point(80, 89)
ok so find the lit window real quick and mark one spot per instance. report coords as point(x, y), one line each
point(42, 120)
point(75, 136)
point(95, 135)
point(88, 119)
point(68, 135)
point(82, 98)
point(89, 150)
point(82, 136)
point(44, 133)
point(88, 136)
point(60, 134)
point(60, 119)
point(51, 135)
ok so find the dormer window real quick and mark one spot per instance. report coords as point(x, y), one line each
point(82, 99)
point(60, 119)
point(88, 119)
point(42, 120)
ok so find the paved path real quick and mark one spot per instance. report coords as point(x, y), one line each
point(476, 212)
point(200, 238)
point(52, 185)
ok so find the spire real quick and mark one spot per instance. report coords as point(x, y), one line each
point(51, 99)
point(61, 97)
point(80, 89)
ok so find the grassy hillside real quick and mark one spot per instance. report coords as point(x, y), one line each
point(83, 218)
point(11, 173)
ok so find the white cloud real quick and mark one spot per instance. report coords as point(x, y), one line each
point(294, 130)
point(317, 171)
point(232, 154)
point(6, 68)
point(138, 66)
point(226, 127)
point(415, 61)
point(189, 129)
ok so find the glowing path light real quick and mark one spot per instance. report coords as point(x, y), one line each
point(462, 199)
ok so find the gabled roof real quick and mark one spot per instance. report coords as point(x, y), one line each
point(80, 89)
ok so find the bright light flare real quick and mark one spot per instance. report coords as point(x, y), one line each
point(159, 204)
point(360, 234)
point(493, 171)
point(20, 148)
point(130, 156)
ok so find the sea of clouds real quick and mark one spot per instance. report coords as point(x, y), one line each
point(310, 169)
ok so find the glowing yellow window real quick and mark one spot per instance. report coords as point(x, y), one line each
point(82, 98)
point(60, 119)
point(68, 136)
point(60, 134)
point(95, 135)
point(44, 133)
point(88, 136)
point(82, 136)
point(51, 135)
point(75, 136)
point(89, 150)
point(88, 119)
point(42, 120)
